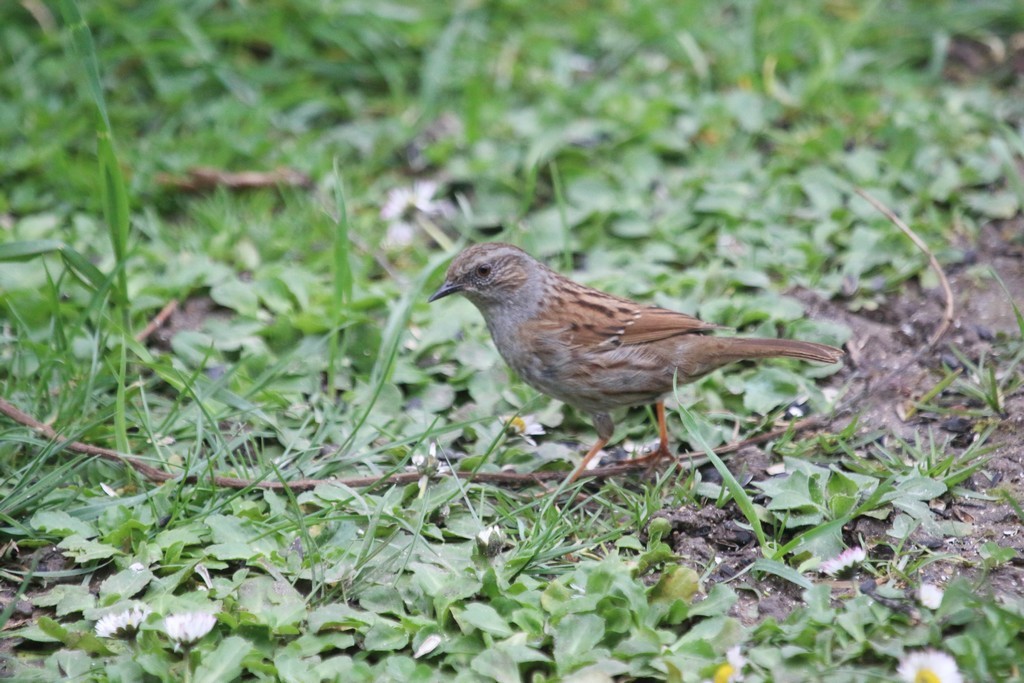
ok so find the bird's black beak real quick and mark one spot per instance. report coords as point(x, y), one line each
point(445, 289)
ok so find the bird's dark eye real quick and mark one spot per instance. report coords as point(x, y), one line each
point(483, 270)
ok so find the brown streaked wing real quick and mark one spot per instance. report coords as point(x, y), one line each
point(615, 322)
point(651, 324)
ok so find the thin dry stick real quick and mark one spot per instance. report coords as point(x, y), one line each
point(157, 322)
point(203, 178)
point(947, 318)
point(508, 478)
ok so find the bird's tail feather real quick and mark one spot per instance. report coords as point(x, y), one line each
point(742, 348)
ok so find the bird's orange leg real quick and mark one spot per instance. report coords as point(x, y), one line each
point(605, 429)
point(663, 449)
point(586, 459)
point(663, 453)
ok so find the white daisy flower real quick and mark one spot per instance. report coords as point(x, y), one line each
point(843, 563)
point(403, 205)
point(403, 202)
point(525, 426)
point(162, 440)
point(189, 627)
point(929, 666)
point(122, 624)
point(399, 201)
point(930, 595)
point(427, 464)
point(399, 233)
point(490, 540)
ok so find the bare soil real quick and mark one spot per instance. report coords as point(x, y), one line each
point(889, 365)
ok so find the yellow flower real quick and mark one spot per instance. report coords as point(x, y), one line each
point(724, 673)
point(732, 670)
point(525, 427)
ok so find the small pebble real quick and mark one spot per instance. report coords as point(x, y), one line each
point(957, 425)
point(984, 333)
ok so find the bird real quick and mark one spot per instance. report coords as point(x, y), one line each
point(592, 350)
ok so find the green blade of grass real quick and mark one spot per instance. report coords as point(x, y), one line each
point(783, 571)
point(743, 501)
point(85, 48)
point(115, 201)
point(390, 341)
point(563, 217)
point(28, 249)
point(341, 272)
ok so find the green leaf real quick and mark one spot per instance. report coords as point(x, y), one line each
point(445, 588)
point(224, 663)
point(840, 506)
point(678, 583)
point(576, 636)
point(125, 584)
point(79, 640)
point(782, 571)
point(995, 555)
point(496, 664)
point(384, 636)
point(658, 529)
point(485, 618)
point(656, 555)
point(88, 641)
point(1000, 204)
point(52, 628)
point(238, 296)
point(73, 665)
point(919, 488)
point(67, 598)
point(769, 388)
point(290, 668)
point(339, 616)
point(273, 602)
point(232, 551)
point(60, 522)
point(382, 600)
point(186, 535)
point(83, 550)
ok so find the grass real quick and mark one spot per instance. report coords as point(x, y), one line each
point(700, 156)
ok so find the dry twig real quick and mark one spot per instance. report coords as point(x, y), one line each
point(157, 322)
point(947, 317)
point(203, 178)
point(507, 478)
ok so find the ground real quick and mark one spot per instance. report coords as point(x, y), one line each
point(220, 223)
point(890, 364)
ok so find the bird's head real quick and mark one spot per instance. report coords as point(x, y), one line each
point(488, 274)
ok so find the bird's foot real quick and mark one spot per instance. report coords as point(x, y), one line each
point(663, 457)
point(662, 452)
